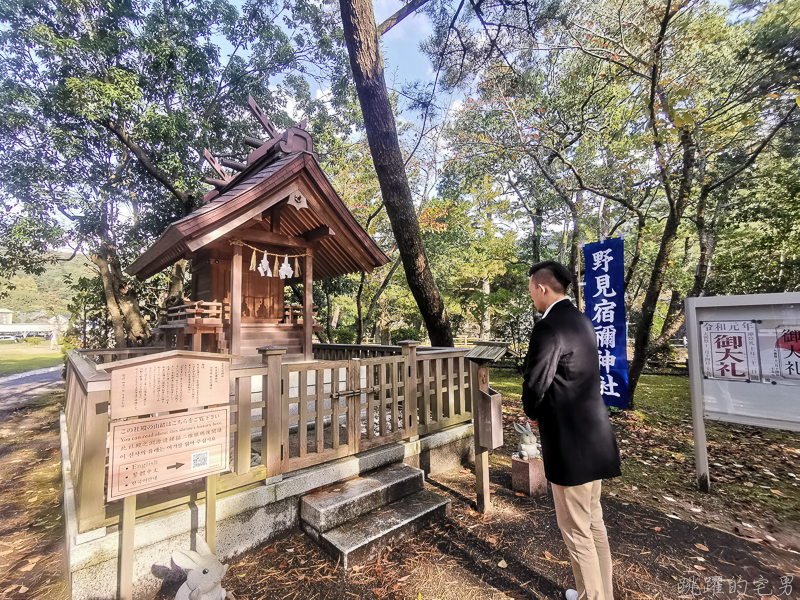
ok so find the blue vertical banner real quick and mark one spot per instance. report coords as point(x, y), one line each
point(604, 292)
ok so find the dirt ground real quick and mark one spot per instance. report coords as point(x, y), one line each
point(668, 540)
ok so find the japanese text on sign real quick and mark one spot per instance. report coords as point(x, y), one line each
point(787, 349)
point(147, 454)
point(730, 350)
point(168, 384)
point(605, 306)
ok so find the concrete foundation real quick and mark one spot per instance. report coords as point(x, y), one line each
point(244, 521)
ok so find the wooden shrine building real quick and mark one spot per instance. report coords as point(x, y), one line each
point(276, 221)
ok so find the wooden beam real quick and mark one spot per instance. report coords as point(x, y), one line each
point(268, 126)
point(236, 301)
point(216, 231)
point(215, 165)
point(312, 235)
point(233, 164)
point(252, 142)
point(267, 237)
point(275, 220)
point(308, 304)
point(217, 183)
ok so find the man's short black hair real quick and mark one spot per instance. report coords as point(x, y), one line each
point(553, 274)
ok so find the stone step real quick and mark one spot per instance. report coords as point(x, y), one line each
point(333, 505)
point(362, 539)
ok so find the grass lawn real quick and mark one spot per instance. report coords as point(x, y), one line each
point(755, 472)
point(20, 357)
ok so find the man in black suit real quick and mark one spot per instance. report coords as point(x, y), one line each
point(561, 391)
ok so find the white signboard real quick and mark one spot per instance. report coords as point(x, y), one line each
point(744, 358)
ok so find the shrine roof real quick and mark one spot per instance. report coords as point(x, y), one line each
point(284, 179)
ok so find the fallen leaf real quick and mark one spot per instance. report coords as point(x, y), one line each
point(379, 569)
point(668, 499)
point(34, 499)
point(403, 578)
point(269, 550)
point(502, 564)
point(674, 517)
point(520, 494)
point(779, 493)
point(657, 528)
point(701, 547)
point(28, 567)
point(22, 589)
point(770, 538)
point(699, 568)
point(283, 565)
point(548, 555)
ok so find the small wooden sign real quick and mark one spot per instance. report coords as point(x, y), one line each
point(148, 454)
point(168, 381)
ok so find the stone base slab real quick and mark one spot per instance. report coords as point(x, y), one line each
point(527, 476)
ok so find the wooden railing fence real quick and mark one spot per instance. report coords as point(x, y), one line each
point(297, 414)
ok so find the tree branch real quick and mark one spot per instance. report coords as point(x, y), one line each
point(401, 14)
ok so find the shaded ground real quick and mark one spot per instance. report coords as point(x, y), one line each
point(31, 530)
point(754, 471)
point(662, 548)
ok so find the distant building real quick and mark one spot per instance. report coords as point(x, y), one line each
point(5, 316)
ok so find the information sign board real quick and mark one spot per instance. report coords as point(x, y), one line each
point(168, 381)
point(744, 356)
point(154, 452)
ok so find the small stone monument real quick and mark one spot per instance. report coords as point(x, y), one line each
point(527, 468)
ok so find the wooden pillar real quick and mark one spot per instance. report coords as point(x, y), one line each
point(271, 435)
point(410, 390)
point(479, 381)
point(236, 301)
point(308, 306)
point(90, 484)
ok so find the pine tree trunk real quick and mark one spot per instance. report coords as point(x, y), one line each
point(366, 62)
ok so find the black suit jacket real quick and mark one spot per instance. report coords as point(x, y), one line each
point(561, 391)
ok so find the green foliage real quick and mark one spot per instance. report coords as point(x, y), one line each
point(344, 335)
point(402, 334)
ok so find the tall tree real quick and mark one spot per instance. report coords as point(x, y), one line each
point(366, 61)
point(106, 110)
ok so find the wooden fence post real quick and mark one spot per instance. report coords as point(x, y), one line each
point(410, 389)
point(353, 384)
point(90, 488)
point(479, 381)
point(242, 394)
point(271, 434)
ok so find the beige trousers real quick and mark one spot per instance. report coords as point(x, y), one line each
point(580, 519)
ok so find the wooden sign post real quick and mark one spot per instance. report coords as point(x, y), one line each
point(167, 447)
point(487, 410)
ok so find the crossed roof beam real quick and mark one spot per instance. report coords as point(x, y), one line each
point(293, 139)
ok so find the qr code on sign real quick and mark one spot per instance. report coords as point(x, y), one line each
point(200, 460)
